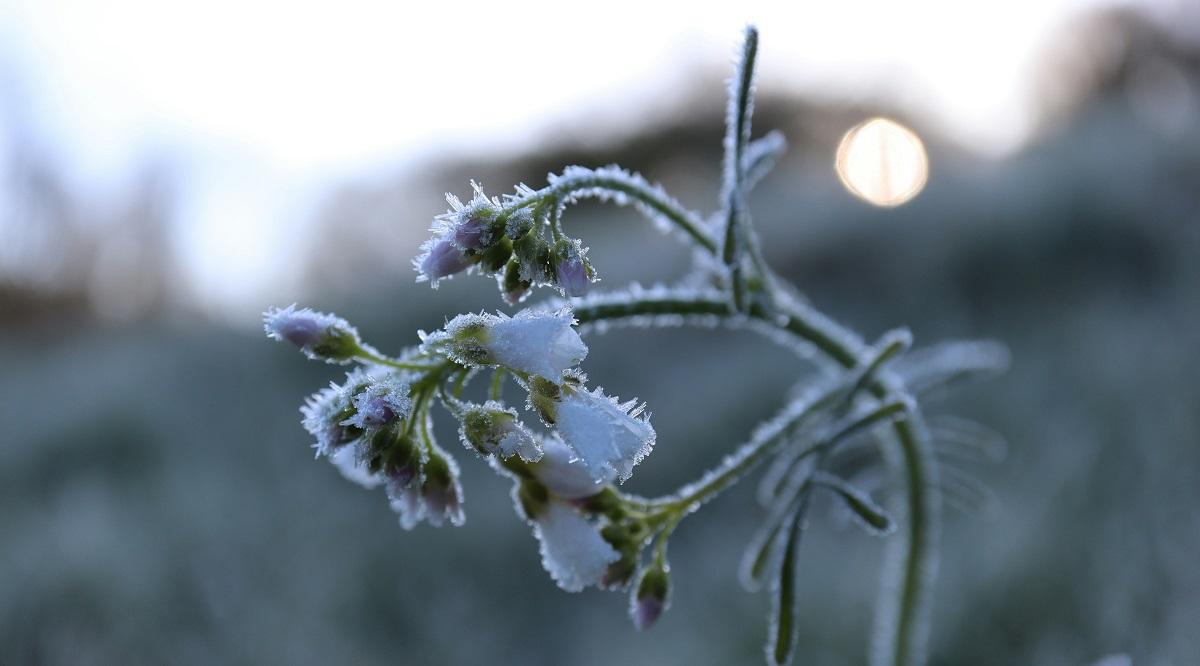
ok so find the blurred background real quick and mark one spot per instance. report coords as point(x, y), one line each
point(167, 171)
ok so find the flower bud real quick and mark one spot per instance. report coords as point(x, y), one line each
point(473, 233)
point(401, 459)
point(320, 336)
point(572, 271)
point(441, 491)
point(496, 257)
point(326, 411)
point(381, 403)
point(440, 258)
point(513, 287)
point(493, 430)
point(650, 598)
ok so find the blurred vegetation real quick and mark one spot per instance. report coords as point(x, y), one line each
point(159, 504)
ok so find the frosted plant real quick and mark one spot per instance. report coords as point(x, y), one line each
point(856, 433)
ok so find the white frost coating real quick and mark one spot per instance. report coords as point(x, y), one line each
point(321, 411)
point(354, 469)
point(562, 474)
point(536, 342)
point(608, 437)
point(307, 329)
point(606, 184)
point(573, 552)
point(761, 155)
point(380, 403)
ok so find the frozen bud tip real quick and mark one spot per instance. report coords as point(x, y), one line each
point(440, 258)
point(441, 491)
point(650, 598)
point(320, 336)
point(573, 273)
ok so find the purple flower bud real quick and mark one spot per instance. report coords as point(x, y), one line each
point(300, 331)
point(442, 259)
point(472, 234)
point(650, 598)
point(441, 492)
point(572, 275)
point(320, 336)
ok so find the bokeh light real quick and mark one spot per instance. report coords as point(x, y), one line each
point(882, 162)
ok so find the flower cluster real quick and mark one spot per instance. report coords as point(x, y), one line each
point(506, 238)
point(375, 428)
point(568, 461)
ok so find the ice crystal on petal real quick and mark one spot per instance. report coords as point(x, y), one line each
point(543, 344)
point(573, 552)
point(494, 429)
point(562, 474)
point(608, 437)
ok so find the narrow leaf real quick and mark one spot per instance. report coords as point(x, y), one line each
point(926, 370)
point(872, 516)
point(784, 628)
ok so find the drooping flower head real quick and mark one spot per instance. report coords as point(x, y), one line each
point(609, 438)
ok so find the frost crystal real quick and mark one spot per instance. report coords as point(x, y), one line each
point(562, 474)
point(325, 412)
point(607, 436)
point(494, 429)
point(573, 552)
point(380, 404)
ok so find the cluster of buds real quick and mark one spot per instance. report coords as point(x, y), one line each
point(497, 238)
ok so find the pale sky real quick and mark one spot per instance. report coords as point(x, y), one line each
point(265, 104)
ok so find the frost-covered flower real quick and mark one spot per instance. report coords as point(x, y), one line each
point(608, 437)
point(539, 343)
point(572, 272)
point(562, 474)
point(326, 411)
point(493, 429)
point(380, 403)
point(354, 468)
point(320, 336)
point(441, 491)
point(439, 258)
point(573, 552)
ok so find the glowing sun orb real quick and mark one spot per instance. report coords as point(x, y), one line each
point(882, 162)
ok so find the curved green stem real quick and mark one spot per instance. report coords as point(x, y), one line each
point(578, 183)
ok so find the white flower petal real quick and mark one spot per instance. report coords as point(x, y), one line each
point(347, 462)
point(604, 435)
point(562, 474)
point(536, 342)
point(573, 552)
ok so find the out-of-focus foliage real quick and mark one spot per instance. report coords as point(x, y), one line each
point(152, 513)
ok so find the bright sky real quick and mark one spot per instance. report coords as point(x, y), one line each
point(263, 104)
